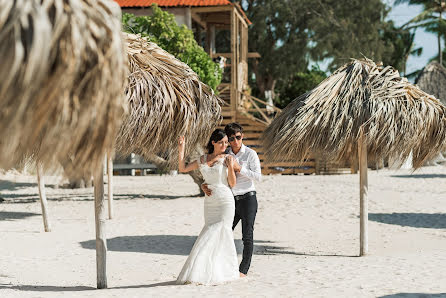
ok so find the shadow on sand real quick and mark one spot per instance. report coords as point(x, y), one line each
point(415, 220)
point(423, 176)
point(182, 245)
point(32, 198)
point(31, 288)
point(11, 185)
point(158, 284)
point(414, 295)
point(9, 215)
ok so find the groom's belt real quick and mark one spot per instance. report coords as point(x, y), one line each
point(248, 194)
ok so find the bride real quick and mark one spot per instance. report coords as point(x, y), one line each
point(213, 258)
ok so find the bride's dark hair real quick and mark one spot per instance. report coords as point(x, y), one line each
point(216, 136)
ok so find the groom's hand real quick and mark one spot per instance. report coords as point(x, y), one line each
point(205, 188)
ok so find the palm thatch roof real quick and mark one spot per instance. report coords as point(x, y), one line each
point(61, 81)
point(432, 80)
point(395, 116)
point(166, 100)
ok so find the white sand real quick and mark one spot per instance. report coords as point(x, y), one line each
point(306, 238)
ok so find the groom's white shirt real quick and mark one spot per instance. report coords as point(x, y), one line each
point(250, 170)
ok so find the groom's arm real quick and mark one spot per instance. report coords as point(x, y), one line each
point(252, 170)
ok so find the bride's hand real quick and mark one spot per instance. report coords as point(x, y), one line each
point(229, 160)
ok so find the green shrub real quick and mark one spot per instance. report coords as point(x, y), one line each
point(162, 29)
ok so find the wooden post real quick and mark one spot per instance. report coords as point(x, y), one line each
point(207, 47)
point(188, 17)
point(132, 161)
point(234, 66)
point(363, 193)
point(110, 185)
point(42, 195)
point(380, 163)
point(198, 28)
point(101, 238)
point(237, 61)
point(212, 45)
point(354, 164)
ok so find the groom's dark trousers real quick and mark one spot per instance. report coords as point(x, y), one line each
point(246, 210)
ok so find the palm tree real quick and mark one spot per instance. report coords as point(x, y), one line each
point(409, 50)
point(402, 43)
point(430, 19)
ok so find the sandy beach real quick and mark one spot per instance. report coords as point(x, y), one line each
point(306, 238)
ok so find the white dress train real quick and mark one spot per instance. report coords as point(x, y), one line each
point(213, 258)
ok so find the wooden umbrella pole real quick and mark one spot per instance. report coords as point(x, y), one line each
point(101, 238)
point(110, 185)
point(363, 193)
point(42, 195)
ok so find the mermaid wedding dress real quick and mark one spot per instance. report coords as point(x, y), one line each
point(213, 258)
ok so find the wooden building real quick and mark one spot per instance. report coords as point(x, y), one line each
point(221, 27)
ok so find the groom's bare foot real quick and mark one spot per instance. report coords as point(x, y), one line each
point(242, 275)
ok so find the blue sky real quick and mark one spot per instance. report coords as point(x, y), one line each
point(402, 13)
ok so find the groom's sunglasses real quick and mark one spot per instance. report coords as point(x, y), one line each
point(231, 139)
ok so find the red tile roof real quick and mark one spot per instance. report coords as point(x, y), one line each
point(171, 3)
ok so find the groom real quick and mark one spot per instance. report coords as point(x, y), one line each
point(247, 170)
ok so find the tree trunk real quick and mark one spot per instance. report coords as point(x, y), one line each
point(255, 69)
point(405, 65)
point(264, 82)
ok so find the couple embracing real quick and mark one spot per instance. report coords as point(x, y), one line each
point(230, 197)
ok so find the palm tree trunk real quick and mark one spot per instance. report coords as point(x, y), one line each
point(405, 65)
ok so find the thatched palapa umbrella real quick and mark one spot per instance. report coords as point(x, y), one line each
point(166, 100)
point(61, 88)
point(432, 80)
point(361, 107)
point(61, 80)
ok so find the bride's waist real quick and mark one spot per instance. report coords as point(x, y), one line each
point(218, 186)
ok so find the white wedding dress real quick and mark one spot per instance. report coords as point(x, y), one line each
point(213, 258)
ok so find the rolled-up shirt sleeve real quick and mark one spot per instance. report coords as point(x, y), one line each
point(252, 170)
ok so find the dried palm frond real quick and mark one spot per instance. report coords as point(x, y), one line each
point(166, 100)
point(395, 116)
point(61, 81)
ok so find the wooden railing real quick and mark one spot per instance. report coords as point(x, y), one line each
point(264, 118)
point(223, 87)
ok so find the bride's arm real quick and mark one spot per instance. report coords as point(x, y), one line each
point(182, 167)
point(231, 172)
